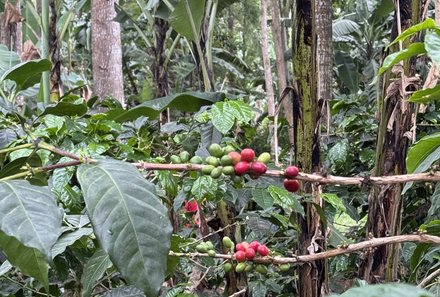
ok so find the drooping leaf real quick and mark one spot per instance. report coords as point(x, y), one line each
point(27, 74)
point(29, 260)
point(7, 59)
point(5, 267)
point(93, 270)
point(425, 96)
point(30, 214)
point(414, 49)
point(188, 101)
point(339, 155)
point(347, 71)
point(423, 153)
point(180, 20)
point(427, 24)
point(432, 45)
point(342, 27)
point(125, 291)
point(382, 10)
point(68, 239)
point(66, 109)
point(262, 198)
point(7, 136)
point(389, 290)
point(222, 117)
point(285, 199)
point(335, 201)
point(129, 220)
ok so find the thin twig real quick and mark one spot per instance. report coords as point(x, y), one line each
point(26, 287)
point(242, 291)
point(347, 249)
point(237, 223)
point(427, 280)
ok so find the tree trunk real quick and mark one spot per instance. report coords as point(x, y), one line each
point(160, 74)
point(306, 120)
point(56, 86)
point(385, 203)
point(106, 51)
point(280, 48)
point(11, 33)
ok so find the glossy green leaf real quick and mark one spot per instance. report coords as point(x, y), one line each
point(335, 201)
point(204, 187)
point(93, 270)
point(241, 111)
point(423, 153)
point(129, 220)
point(432, 228)
point(388, 290)
point(7, 59)
point(427, 24)
point(222, 117)
point(414, 49)
point(125, 291)
point(425, 96)
point(432, 45)
point(188, 101)
point(285, 199)
point(262, 198)
point(180, 20)
point(66, 109)
point(69, 238)
point(347, 71)
point(27, 74)
point(30, 214)
point(29, 260)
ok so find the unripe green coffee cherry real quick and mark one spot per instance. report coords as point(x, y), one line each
point(211, 253)
point(261, 269)
point(227, 242)
point(226, 160)
point(215, 150)
point(209, 245)
point(214, 161)
point(207, 169)
point(175, 159)
point(184, 156)
point(216, 172)
point(249, 268)
point(264, 158)
point(227, 267)
point(240, 267)
point(196, 160)
point(228, 170)
point(227, 149)
point(201, 248)
point(284, 267)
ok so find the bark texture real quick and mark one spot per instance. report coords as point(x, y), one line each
point(385, 201)
point(280, 48)
point(307, 116)
point(56, 86)
point(11, 33)
point(106, 51)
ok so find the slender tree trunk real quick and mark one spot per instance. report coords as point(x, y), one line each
point(106, 51)
point(11, 33)
point(307, 114)
point(56, 86)
point(385, 202)
point(160, 74)
point(268, 76)
point(280, 48)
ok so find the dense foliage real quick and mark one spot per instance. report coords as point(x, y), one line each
point(87, 210)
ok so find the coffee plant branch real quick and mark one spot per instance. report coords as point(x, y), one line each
point(432, 176)
point(345, 249)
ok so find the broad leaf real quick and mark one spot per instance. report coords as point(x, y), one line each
point(27, 74)
point(29, 260)
point(126, 291)
point(434, 210)
point(389, 290)
point(68, 239)
point(414, 49)
point(335, 201)
point(66, 109)
point(188, 101)
point(425, 96)
point(285, 199)
point(241, 111)
point(222, 117)
point(7, 59)
point(5, 267)
point(347, 70)
point(432, 45)
point(427, 24)
point(204, 187)
point(181, 21)
point(30, 214)
point(262, 198)
point(93, 270)
point(423, 153)
point(129, 220)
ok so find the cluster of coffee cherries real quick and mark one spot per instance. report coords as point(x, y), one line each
point(245, 162)
point(206, 247)
point(290, 183)
point(244, 254)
